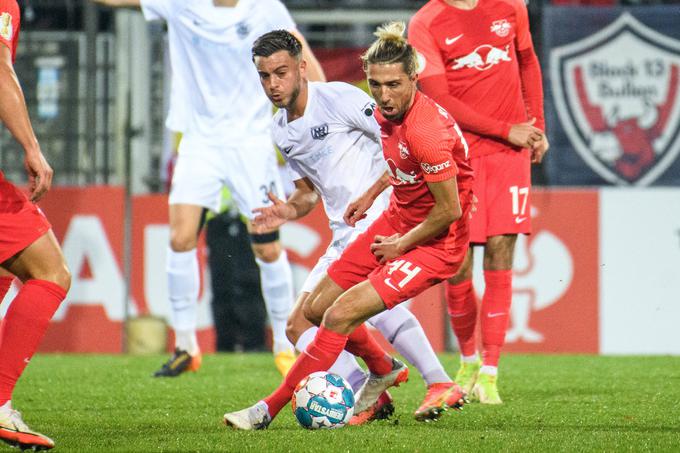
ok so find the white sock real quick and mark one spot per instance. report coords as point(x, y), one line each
point(277, 290)
point(401, 328)
point(474, 358)
point(488, 369)
point(183, 288)
point(7, 406)
point(345, 366)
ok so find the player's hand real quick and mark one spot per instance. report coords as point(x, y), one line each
point(525, 134)
point(39, 174)
point(357, 211)
point(386, 248)
point(269, 218)
point(538, 151)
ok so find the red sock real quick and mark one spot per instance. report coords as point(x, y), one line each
point(494, 315)
point(320, 355)
point(5, 284)
point(462, 307)
point(362, 344)
point(24, 325)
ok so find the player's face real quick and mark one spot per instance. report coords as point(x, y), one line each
point(392, 89)
point(281, 76)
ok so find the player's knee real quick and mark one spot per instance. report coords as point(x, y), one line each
point(59, 275)
point(182, 242)
point(312, 314)
point(268, 252)
point(337, 318)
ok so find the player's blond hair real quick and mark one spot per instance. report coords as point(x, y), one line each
point(392, 47)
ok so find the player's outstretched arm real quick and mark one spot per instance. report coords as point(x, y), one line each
point(14, 116)
point(445, 211)
point(300, 203)
point(314, 70)
point(119, 3)
point(356, 210)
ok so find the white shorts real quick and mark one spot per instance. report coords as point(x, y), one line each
point(343, 235)
point(247, 168)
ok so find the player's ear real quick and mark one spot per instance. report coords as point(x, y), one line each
point(303, 67)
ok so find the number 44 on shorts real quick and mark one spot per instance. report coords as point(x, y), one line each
point(406, 268)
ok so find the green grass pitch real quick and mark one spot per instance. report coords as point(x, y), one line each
point(552, 403)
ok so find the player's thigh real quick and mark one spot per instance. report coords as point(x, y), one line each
point(353, 307)
point(185, 226)
point(465, 271)
point(42, 260)
point(508, 193)
point(199, 174)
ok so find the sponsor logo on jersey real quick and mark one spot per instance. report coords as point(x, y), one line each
point(403, 150)
point(482, 58)
point(400, 177)
point(319, 132)
point(501, 27)
point(617, 94)
point(242, 29)
point(287, 149)
point(431, 169)
point(6, 29)
point(369, 108)
point(450, 41)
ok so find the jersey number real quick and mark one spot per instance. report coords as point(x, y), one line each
point(406, 268)
point(266, 189)
point(516, 193)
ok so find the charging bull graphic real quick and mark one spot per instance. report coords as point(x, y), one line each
point(482, 58)
point(617, 97)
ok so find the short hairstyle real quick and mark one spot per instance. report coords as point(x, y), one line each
point(392, 47)
point(274, 41)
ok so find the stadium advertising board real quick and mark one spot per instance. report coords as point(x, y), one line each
point(613, 95)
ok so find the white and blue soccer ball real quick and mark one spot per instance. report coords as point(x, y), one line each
point(323, 400)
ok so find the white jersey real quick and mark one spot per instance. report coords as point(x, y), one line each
point(336, 144)
point(210, 54)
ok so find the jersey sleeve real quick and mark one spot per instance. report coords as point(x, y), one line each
point(279, 15)
point(157, 9)
point(430, 61)
point(358, 110)
point(293, 171)
point(523, 33)
point(431, 144)
point(9, 24)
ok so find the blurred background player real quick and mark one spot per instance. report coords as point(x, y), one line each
point(29, 250)
point(478, 61)
point(420, 240)
point(226, 142)
point(342, 117)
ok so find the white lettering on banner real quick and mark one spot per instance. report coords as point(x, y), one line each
point(543, 271)
point(156, 240)
point(86, 241)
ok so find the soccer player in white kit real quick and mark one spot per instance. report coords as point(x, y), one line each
point(226, 142)
point(331, 143)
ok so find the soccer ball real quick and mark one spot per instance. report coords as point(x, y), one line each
point(323, 400)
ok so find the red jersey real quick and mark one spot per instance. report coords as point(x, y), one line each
point(426, 146)
point(477, 51)
point(9, 25)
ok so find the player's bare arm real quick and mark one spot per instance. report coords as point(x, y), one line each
point(118, 3)
point(14, 115)
point(445, 211)
point(356, 210)
point(300, 203)
point(314, 70)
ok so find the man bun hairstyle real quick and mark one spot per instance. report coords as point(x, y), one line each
point(275, 41)
point(392, 47)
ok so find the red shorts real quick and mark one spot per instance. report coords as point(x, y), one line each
point(401, 278)
point(21, 222)
point(502, 188)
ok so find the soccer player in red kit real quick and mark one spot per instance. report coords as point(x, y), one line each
point(28, 249)
point(420, 240)
point(477, 61)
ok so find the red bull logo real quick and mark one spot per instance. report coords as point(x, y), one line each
point(616, 94)
point(482, 58)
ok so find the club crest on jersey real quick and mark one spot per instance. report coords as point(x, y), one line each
point(319, 132)
point(501, 27)
point(617, 97)
point(482, 58)
point(242, 29)
point(6, 28)
point(403, 150)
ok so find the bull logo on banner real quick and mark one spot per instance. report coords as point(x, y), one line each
point(616, 94)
